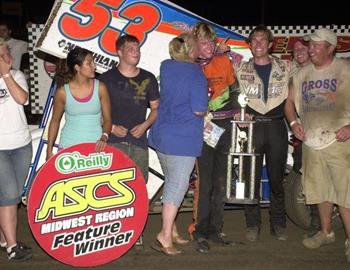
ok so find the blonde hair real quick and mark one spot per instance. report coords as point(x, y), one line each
point(181, 47)
point(203, 30)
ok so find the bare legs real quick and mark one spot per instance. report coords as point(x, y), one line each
point(325, 210)
point(8, 224)
point(165, 236)
point(345, 215)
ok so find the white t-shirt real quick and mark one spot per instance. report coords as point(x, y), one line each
point(17, 49)
point(14, 131)
point(322, 101)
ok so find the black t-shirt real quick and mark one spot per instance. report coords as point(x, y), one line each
point(130, 98)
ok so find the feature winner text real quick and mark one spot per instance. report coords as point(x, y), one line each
point(94, 239)
point(83, 221)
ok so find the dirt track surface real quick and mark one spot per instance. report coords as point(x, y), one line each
point(266, 254)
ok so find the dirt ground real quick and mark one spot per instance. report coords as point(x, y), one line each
point(266, 254)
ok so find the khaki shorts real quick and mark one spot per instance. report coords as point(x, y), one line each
point(326, 174)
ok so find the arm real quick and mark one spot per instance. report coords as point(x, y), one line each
point(291, 115)
point(58, 110)
point(16, 91)
point(106, 117)
point(140, 129)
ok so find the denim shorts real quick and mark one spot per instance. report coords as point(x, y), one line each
point(177, 171)
point(137, 154)
point(14, 168)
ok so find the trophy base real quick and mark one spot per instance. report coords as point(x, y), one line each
point(234, 200)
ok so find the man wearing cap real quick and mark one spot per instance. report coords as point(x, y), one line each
point(320, 94)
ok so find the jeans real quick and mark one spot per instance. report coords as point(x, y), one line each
point(177, 171)
point(137, 154)
point(14, 168)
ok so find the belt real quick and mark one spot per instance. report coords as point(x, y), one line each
point(223, 114)
point(268, 119)
point(126, 143)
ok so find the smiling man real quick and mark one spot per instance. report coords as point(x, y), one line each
point(264, 79)
point(319, 93)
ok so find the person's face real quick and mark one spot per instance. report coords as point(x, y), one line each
point(87, 68)
point(206, 48)
point(320, 52)
point(5, 54)
point(130, 53)
point(4, 32)
point(300, 53)
point(260, 44)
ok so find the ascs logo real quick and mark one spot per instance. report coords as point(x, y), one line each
point(86, 208)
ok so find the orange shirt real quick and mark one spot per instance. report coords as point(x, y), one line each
point(220, 75)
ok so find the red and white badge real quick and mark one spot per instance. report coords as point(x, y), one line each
point(87, 208)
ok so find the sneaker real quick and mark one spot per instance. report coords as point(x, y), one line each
point(319, 239)
point(219, 240)
point(139, 247)
point(3, 246)
point(201, 245)
point(347, 250)
point(222, 235)
point(311, 232)
point(18, 254)
point(252, 233)
point(279, 233)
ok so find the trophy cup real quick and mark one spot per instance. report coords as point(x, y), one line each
point(241, 146)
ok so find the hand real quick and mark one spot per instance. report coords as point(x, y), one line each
point(49, 154)
point(298, 131)
point(343, 134)
point(138, 131)
point(223, 48)
point(247, 117)
point(119, 131)
point(100, 145)
point(5, 64)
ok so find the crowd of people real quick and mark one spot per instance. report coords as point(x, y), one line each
point(309, 96)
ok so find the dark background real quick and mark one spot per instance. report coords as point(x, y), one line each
point(223, 12)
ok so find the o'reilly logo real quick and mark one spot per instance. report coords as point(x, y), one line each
point(75, 162)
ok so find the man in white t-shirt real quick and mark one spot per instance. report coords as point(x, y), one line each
point(17, 47)
point(319, 93)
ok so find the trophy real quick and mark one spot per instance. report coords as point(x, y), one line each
point(241, 146)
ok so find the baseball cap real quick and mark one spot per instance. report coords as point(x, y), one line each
point(302, 41)
point(323, 34)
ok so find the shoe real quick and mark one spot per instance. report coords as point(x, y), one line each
point(311, 232)
point(139, 247)
point(169, 251)
point(217, 239)
point(19, 254)
point(223, 235)
point(279, 233)
point(252, 233)
point(201, 245)
point(3, 246)
point(347, 250)
point(319, 239)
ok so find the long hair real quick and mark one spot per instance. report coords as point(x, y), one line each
point(203, 30)
point(65, 69)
